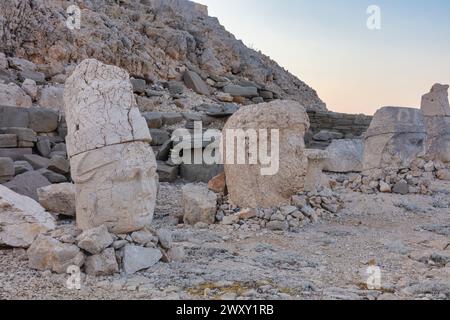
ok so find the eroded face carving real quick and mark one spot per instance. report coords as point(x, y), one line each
point(114, 182)
point(404, 148)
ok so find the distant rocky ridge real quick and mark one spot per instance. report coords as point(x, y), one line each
point(155, 40)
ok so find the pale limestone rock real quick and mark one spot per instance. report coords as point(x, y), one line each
point(12, 95)
point(100, 108)
point(95, 240)
point(199, 204)
point(138, 258)
point(247, 187)
point(21, 219)
point(47, 253)
point(52, 98)
point(112, 163)
point(316, 160)
point(345, 155)
point(103, 264)
point(435, 103)
point(58, 199)
point(30, 87)
point(396, 137)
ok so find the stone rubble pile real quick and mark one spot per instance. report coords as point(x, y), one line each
point(305, 208)
point(99, 253)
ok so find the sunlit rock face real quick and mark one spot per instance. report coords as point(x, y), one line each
point(113, 165)
point(436, 109)
point(396, 137)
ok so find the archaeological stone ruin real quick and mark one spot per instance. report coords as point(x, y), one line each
point(300, 201)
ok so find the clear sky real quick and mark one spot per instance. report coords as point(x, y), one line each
point(327, 44)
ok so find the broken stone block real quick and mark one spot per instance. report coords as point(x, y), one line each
point(21, 219)
point(22, 167)
point(13, 117)
point(435, 103)
point(47, 253)
point(43, 120)
point(193, 81)
point(25, 137)
point(8, 141)
point(6, 169)
point(95, 240)
point(199, 204)
point(103, 264)
point(36, 161)
point(59, 165)
point(218, 183)
point(138, 258)
point(345, 155)
point(396, 137)
point(27, 184)
point(153, 119)
point(53, 177)
point(13, 96)
point(58, 199)
point(167, 173)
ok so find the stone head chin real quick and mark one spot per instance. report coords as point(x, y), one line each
point(113, 182)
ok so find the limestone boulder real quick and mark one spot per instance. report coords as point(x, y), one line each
point(12, 95)
point(345, 155)
point(139, 258)
point(51, 97)
point(95, 240)
point(269, 185)
point(21, 219)
point(58, 199)
point(28, 183)
point(199, 204)
point(47, 253)
point(104, 264)
point(396, 137)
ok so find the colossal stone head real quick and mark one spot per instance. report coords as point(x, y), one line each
point(247, 184)
point(112, 163)
point(436, 109)
point(396, 137)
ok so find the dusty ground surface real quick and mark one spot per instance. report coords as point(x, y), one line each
point(408, 237)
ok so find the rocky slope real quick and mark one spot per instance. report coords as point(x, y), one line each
point(156, 40)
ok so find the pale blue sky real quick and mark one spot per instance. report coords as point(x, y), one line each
point(326, 43)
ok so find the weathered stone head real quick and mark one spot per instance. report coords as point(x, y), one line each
point(112, 163)
point(280, 126)
point(396, 137)
point(436, 109)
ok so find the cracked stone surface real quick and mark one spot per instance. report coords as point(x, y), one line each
point(112, 163)
point(101, 109)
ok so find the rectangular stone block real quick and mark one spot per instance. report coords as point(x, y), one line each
point(13, 117)
point(16, 153)
point(8, 141)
